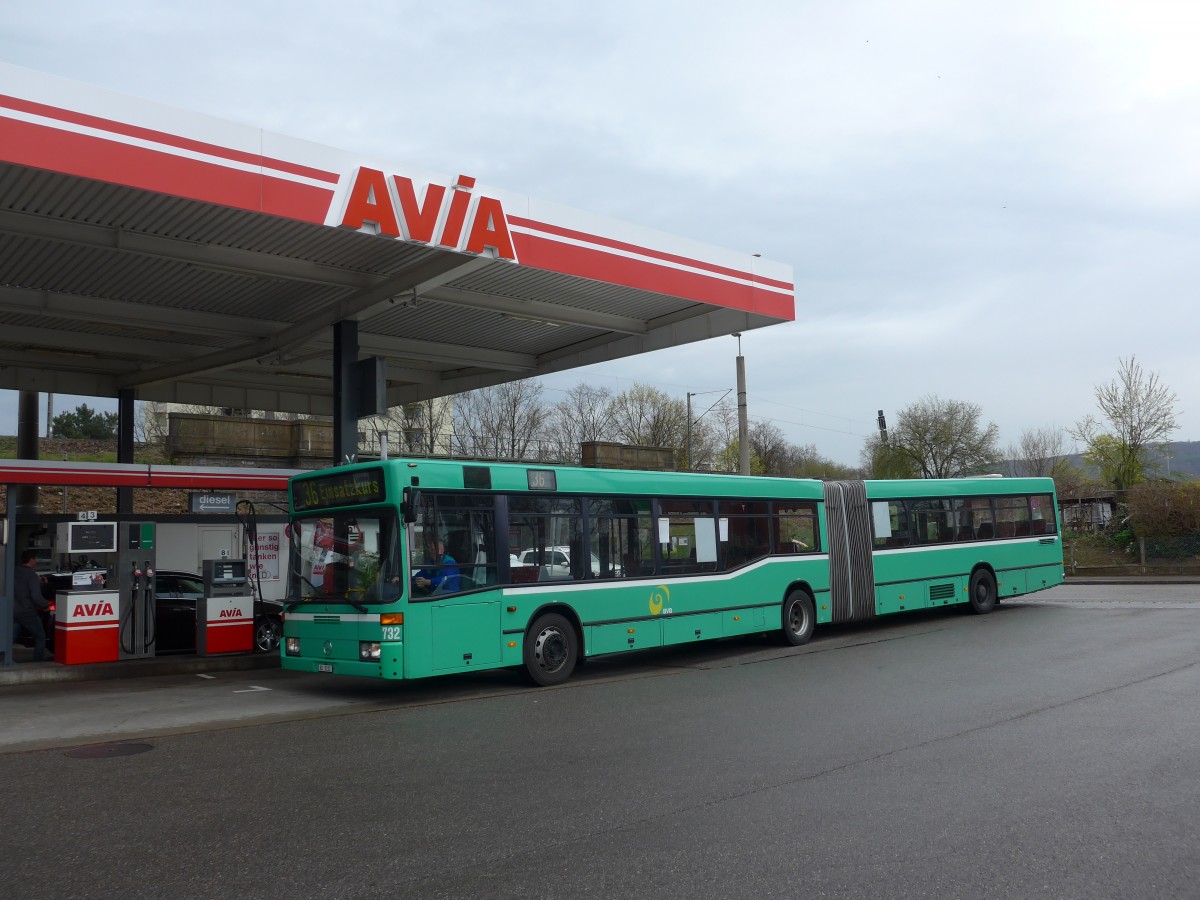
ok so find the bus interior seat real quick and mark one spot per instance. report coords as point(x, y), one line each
point(986, 530)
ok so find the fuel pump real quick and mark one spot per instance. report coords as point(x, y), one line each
point(86, 614)
point(135, 584)
point(225, 617)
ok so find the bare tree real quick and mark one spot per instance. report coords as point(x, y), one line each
point(1140, 411)
point(504, 421)
point(768, 448)
point(943, 439)
point(713, 438)
point(423, 427)
point(647, 416)
point(585, 414)
point(1039, 452)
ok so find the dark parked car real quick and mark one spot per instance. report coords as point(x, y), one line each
point(175, 596)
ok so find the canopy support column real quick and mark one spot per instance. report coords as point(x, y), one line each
point(345, 406)
point(125, 417)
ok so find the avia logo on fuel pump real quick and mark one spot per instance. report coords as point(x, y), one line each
point(230, 614)
point(102, 609)
point(430, 214)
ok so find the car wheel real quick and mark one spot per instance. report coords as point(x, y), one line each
point(267, 634)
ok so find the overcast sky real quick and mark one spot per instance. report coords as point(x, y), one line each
point(990, 202)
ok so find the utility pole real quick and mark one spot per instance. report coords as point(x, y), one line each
point(743, 417)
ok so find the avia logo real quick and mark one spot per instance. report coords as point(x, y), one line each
point(455, 218)
point(230, 614)
point(83, 610)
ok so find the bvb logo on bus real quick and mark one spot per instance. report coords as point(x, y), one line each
point(658, 599)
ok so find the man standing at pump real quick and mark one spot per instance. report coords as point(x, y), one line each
point(28, 602)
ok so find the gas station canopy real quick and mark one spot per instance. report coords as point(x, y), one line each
point(193, 260)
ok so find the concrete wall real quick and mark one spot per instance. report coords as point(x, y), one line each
point(606, 455)
point(203, 439)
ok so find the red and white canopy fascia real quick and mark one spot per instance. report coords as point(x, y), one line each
point(75, 129)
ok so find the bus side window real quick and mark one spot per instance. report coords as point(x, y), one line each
point(1043, 514)
point(794, 528)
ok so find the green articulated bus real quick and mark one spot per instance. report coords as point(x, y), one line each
point(408, 568)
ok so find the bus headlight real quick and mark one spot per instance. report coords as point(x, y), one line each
point(368, 650)
point(291, 646)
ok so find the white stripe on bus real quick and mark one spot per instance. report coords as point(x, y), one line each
point(608, 583)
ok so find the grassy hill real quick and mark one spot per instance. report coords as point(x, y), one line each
point(1181, 460)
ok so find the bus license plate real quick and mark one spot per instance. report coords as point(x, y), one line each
point(324, 667)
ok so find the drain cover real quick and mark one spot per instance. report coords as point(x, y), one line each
point(103, 751)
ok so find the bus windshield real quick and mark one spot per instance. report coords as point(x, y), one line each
point(345, 558)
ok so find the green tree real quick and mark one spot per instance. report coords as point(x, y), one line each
point(86, 423)
point(1140, 412)
point(935, 438)
point(885, 460)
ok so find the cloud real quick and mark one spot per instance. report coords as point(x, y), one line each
point(990, 203)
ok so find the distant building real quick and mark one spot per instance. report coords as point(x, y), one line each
point(1091, 511)
point(240, 437)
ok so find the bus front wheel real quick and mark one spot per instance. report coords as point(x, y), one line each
point(551, 650)
point(799, 617)
point(982, 592)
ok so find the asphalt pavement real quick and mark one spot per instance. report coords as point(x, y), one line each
point(45, 705)
point(1045, 750)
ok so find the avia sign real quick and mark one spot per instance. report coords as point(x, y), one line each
point(454, 218)
point(103, 609)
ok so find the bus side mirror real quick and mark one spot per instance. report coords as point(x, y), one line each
point(410, 505)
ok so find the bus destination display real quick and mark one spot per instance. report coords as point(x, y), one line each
point(542, 479)
point(349, 489)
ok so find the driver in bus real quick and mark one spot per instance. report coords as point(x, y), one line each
point(442, 576)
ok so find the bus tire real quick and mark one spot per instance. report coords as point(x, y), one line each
point(799, 617)
point(982, 592)
point(551, 650)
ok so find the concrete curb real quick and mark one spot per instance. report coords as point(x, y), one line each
point(1132, 579)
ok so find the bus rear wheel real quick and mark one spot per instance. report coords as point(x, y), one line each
point(799, 617)
point(982, 592)
point(551, 650)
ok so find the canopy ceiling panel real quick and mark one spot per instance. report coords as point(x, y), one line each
point(184, 257)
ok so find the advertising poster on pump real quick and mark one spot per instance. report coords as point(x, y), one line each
point(264, 557)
